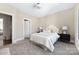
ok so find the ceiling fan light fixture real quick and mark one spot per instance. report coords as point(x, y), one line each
point(37, 5)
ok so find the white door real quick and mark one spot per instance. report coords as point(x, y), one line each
point(26, 28)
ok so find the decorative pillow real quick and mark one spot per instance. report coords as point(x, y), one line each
point(46, 30)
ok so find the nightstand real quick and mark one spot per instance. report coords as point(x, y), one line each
point(64, 38)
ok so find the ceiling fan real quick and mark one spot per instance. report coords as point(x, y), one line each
point(37, 5)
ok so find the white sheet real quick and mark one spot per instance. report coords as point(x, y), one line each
point(45, 38)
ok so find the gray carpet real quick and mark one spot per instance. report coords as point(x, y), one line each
point(25, 47)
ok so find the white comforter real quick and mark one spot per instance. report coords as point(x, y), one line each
point(46, 39)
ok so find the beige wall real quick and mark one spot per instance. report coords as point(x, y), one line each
point(60, 19)
point(18, 21)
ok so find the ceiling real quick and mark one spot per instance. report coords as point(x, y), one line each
point(44, 10)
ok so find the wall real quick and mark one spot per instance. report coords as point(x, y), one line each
point(17, 21)
point(60, 19)
point(20, 24)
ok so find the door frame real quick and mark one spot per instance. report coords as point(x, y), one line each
point(76, 28)
point(76, 23)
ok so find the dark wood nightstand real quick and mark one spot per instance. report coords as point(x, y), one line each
point(64, 38)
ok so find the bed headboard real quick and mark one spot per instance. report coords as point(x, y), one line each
point(52, 28)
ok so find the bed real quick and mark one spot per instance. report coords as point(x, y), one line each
point(46, 38)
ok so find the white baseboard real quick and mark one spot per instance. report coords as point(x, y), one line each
point(16, 40)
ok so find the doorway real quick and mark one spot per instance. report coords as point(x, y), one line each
point(6, 28)
point(26, 29)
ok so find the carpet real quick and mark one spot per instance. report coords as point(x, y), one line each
point(25, 47)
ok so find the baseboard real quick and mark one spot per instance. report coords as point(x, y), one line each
point(19, 39)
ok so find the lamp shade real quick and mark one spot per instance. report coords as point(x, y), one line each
point(40, 28)
point(64, 28)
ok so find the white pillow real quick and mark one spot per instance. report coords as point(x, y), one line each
point(52, 29)
point(47, 30)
